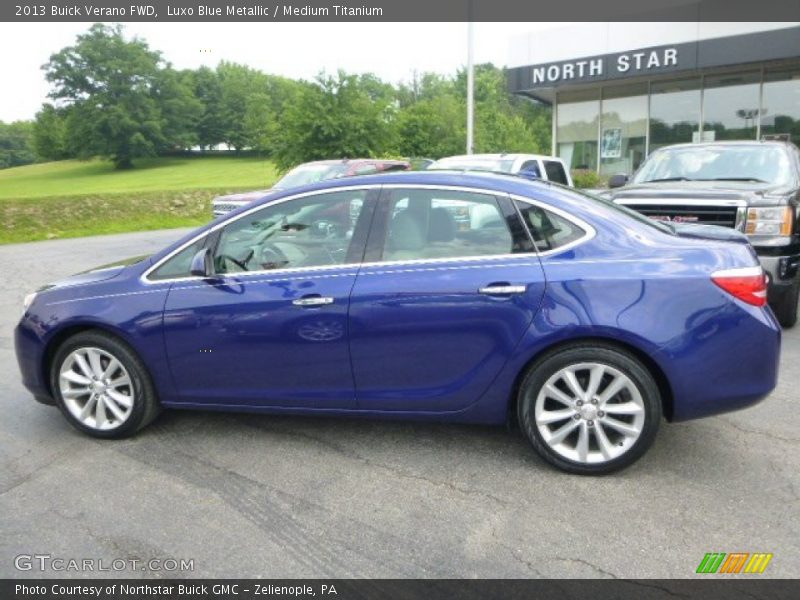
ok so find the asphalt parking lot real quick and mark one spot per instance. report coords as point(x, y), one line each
point(265, 496)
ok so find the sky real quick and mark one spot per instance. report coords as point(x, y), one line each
point(393, 51)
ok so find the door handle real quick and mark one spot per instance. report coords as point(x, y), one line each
point(502, 290)
point(313, 301)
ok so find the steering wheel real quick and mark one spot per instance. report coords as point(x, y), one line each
point(239, 262)
point(271, 256)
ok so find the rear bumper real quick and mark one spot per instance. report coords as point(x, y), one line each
point(728, 361)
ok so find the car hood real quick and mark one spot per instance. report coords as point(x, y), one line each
point(244, 196)
point(101, 273)
point(752, 192)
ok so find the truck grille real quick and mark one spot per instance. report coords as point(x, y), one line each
point(706, 214)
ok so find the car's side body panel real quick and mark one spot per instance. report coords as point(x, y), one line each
point(243, 341)
point(630, 284)
point(423, 337)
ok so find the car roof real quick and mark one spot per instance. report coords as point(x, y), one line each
point(490, 181)
point(353, 161)
point(740, 143)
point(487, 156)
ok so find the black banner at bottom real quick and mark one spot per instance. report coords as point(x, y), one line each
point(402, 589)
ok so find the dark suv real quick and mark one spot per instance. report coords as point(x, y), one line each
point(310, 172)
point(753, 187)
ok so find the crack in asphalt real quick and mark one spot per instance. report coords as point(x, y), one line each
point(758, 432)
point(588, 564)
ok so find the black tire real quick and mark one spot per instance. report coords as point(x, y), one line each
point(145, 401)
point(608, 356)
point(786, 307)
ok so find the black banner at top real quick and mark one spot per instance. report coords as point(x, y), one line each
point(398, 10)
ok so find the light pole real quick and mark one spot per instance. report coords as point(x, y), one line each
point(470, 84)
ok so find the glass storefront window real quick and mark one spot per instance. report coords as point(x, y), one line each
point(674, 112)
point(576, 128)
point(780, 109)
point(623, 129)
point(730, 107)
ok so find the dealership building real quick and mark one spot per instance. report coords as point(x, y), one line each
point(621, 90)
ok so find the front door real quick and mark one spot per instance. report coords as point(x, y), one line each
point(449, 287)
point(270, 328)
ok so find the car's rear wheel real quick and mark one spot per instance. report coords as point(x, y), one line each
point(101, 386)
point(589, 409)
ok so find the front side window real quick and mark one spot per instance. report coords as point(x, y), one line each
point(555, 172)
point(435, 224)
point(179, 265)
point(549, 230)
point(307, 232)
point(531, 169)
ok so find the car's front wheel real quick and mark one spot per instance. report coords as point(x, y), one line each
point(101, 386)
point(589, 409)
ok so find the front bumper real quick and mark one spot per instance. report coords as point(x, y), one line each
point(781, 270)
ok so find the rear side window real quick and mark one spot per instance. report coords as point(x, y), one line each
point(549, 230)
point(441, 224)
point(555, 172)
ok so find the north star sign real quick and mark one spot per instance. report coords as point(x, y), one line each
point(618, 65)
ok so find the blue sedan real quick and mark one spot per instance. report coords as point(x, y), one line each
point(472, 298)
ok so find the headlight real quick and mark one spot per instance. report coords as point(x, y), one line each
point(775, 220)
point(28, 301)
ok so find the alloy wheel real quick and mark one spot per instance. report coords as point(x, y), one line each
point(96, 388)
point(589, 412)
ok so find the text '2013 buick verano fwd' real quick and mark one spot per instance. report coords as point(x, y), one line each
point(444, 296)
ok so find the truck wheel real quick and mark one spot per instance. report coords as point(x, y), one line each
point(786, 308)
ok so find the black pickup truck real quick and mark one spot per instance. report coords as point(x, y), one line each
point(753, 187)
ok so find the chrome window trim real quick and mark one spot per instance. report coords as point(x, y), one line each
point(588, 229)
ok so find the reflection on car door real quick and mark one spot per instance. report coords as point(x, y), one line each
point(270, 329)
point(449, 286)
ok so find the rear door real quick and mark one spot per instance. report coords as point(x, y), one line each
point(449, 285)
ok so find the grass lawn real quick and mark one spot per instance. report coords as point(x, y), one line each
point(73, 198)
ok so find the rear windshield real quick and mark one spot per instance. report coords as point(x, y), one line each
point(307, 174)
point(468, 163)
point(746, 163)
point(661, 226)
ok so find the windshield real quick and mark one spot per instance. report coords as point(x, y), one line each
point(472, 163)
point(306, 174)
point(759, 164)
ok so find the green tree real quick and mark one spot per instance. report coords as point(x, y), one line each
point(432, 127)
point(50, 134)
point(16, 144)
point(336, 117)
point(123, 100)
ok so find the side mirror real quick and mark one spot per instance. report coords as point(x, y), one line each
point(618, 180)
point(201, 264)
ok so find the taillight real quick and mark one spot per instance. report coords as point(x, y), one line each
point(748, 284)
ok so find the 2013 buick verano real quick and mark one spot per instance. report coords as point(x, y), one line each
point(430, 295)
